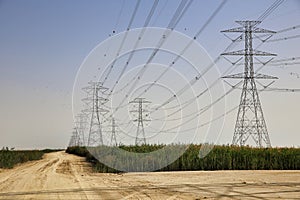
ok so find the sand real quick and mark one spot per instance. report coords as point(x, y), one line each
point(63, 176)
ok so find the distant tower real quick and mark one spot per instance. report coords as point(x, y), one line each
point(113, 140)
point(80, 124)
point(250, 119)
point(74, 139)
point(94, 101)
point(140, 132)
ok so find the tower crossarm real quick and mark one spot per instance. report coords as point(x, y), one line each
point(242, 30)
point(140, 100)
point(245, 53)
point(256, 76)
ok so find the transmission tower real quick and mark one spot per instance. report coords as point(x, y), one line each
point(250, 119)
point(94, 101)
point(140, 132)
point(74, 139)
point(80, 124)
point(113, 140)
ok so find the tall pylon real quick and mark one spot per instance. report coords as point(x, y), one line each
point(94, 102)
point(250, 119)
point(140, 132)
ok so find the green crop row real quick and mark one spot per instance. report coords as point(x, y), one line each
point(220, 158)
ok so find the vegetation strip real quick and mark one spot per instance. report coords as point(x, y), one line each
point(9, 158)
point(220, 158)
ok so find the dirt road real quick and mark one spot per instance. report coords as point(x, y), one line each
point(64, 176)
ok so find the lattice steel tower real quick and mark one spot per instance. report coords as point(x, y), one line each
point(74, 139)
point(80, 126)
point(94, 101)
point(250, 119)
point(140, 132)
point(113, 138)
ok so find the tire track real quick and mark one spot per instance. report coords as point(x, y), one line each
point(64, 176)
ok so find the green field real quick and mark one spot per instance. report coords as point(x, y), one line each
point(220, 158)
point(9, 158)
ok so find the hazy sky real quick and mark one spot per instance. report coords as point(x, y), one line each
point(44, 42)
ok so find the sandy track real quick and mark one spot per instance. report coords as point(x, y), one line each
point(64, 176)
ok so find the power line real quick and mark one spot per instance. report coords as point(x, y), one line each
point(172, 22)
point(134, 13)
point(193, 81)
point(285, 64)
point(160, 11)
point(134, 48)
point(233, 87)
point(119, 15)
point(282, 90)
point(278, 32)
point(180, 11)
point(183, 51)
point(206, 108)
point(284, 38)
point(263, 16)
point(285, 59)
point(260, 90)
point(288, 29)
point(187, 46)
point(218, 117)
point(273, 7)
point(277, 62)
point(188, 102)
point(117, 22)
point(123, 40)
point(181, 15)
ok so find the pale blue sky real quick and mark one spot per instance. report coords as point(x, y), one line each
point(43, 43)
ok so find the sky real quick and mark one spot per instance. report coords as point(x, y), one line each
point(44, 43)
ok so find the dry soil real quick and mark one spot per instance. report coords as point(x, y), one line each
point(63, 176)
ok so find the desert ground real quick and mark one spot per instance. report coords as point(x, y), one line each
point(63, 176)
